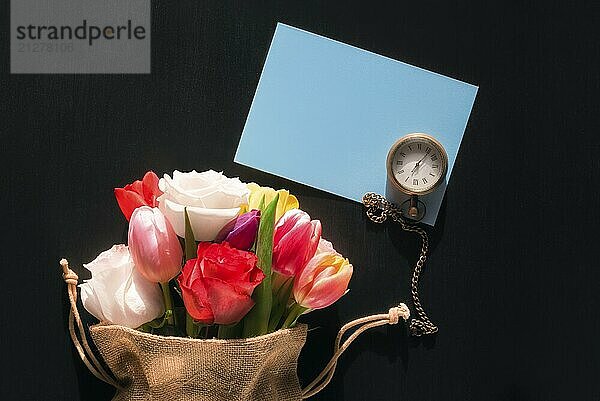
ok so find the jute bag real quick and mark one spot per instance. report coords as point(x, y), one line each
point(171, 368)
point(148, 367)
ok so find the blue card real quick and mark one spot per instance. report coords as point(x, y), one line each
point(325, 114)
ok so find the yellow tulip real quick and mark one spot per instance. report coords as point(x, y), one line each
point(286, 200)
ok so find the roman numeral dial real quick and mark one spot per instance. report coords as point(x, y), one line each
point(417, 164)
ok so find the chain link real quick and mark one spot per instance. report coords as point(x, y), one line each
point(378, 211)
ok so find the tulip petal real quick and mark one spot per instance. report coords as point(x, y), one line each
point(150, 189)
point(324, 279)
point(285, 203)
point(328, 288)
point(241, 232)
point(287, 223)
point(128, 201)
point(138, 193)
point(154, 246)
point(295, 242)
point(135, 186)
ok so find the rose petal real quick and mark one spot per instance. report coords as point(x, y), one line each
point(116, 293)
point(205, 223)
point(90, 300)
point(195, 299)
point(228, 305)
point(208, 189)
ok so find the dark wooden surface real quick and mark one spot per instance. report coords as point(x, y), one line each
point(513, 276)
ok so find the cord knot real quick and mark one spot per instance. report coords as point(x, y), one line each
point(69, 275)
point(397, 312)
point(71, 278)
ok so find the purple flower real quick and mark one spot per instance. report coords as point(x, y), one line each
point(241, 232)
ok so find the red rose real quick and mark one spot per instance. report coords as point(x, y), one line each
point(217, 286)
point(139, 193)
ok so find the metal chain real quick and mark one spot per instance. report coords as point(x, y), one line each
point(378, 210)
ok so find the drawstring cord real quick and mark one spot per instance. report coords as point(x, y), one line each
point(364, 324)
point(83, 347)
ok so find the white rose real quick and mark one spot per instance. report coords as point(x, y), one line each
point(117, 293)
point(212, 200)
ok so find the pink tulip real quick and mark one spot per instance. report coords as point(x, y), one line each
point(295, 242)
point(324, 279)
point(154, 246)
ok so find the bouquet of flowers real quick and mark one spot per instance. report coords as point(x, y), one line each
point(203, 301)
point(243, 259)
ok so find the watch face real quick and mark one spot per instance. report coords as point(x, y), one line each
point(417, 164)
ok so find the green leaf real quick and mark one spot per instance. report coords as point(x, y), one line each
point(261, 207)
point(280, 301)
point(157, 323)
point(261, 204)
point(295, 312)
point(191, 249)
point(256, 322)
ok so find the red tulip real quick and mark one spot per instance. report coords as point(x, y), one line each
point(295, 241)
point(217, 286)
point(139, 193)
point(324, 279)
point(154, 246)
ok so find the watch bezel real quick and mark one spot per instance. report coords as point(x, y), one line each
point(435, 143)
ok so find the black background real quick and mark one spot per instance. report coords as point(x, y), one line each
point(513, 276)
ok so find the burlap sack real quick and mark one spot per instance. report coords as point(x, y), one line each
point(148, 367)
point(151, 367)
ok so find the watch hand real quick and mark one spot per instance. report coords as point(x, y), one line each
point(418, 163)
point(416, 166)
point(412, 172)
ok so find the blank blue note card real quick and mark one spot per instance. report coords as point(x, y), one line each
point(325, 114)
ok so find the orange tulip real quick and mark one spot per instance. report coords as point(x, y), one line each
point(324, 280)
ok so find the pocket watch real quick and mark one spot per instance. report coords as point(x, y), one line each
point(416, 166)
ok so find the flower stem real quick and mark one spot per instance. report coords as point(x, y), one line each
point(227, 332)
point(191, 328)
point(168, 302)
point(295, 311)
